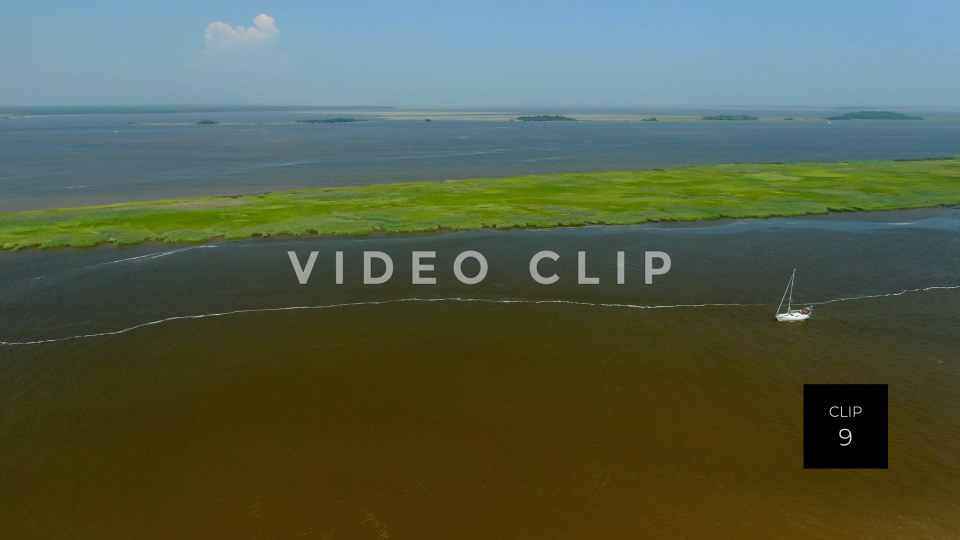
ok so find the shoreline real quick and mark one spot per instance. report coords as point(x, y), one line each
point(673, 197)
point(865, 216)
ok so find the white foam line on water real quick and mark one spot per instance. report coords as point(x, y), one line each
point(445, 299)
point(157, 255)
point(884, 295)
point(147, 257)
point(353, 304)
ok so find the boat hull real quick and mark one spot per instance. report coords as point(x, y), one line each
point(793, 316)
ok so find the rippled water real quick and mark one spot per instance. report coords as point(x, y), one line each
point(226, 398)
point(56, 161)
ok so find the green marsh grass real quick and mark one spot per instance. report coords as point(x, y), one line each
point(551, 200)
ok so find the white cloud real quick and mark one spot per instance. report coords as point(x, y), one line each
point(221, 37)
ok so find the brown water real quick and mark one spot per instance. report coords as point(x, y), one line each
point(491, 411)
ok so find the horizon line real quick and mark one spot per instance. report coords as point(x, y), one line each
point(942, 107)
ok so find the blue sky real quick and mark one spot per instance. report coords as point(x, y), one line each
point(493, 53)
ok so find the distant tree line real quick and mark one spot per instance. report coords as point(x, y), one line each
point(874, 115)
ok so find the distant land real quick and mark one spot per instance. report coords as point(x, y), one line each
point(546, 118)
point(731, 117)
point(149, 109)
point(208, 122)
point(235, 114)
point(541, 201)
point(338, 120)
point(874, 115)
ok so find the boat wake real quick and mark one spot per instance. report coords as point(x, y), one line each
point(446, 299)
point(358, 304)
point(884, 295)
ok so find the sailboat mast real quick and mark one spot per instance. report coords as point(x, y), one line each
point(790, 301)
point(787, 292)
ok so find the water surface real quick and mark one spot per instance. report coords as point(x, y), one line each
point(505, 409)
point(58, 161)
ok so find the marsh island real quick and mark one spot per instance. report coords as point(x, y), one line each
point(548, 200)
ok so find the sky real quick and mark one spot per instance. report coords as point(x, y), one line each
point(491, 53)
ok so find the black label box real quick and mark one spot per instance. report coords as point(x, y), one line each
point(845, 426)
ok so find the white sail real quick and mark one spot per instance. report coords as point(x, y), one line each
point(791, 314)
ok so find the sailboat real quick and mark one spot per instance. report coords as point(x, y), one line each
point(791, 314)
